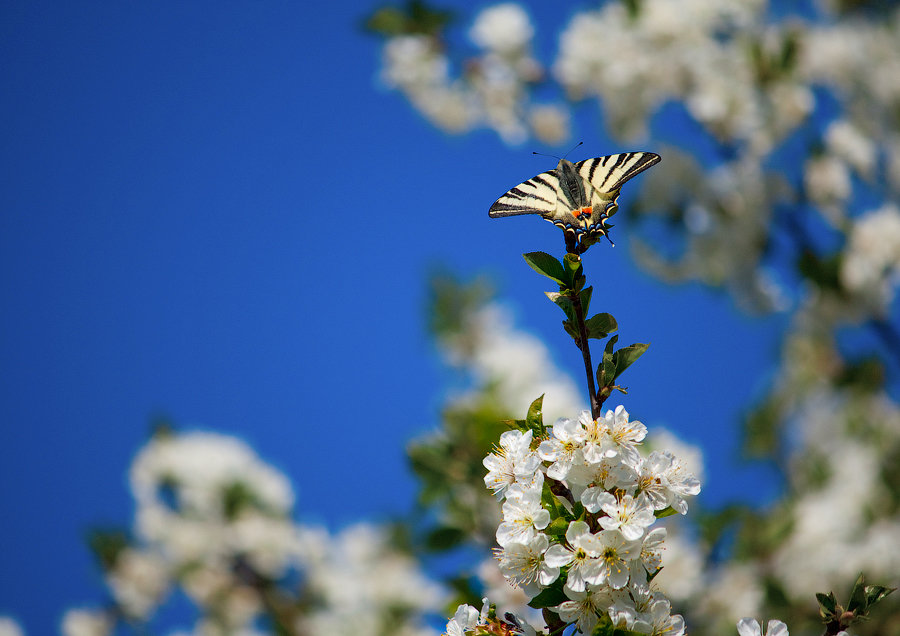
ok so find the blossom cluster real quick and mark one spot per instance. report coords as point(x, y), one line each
point(496, 84)
point(213, 521)
point(578, 508)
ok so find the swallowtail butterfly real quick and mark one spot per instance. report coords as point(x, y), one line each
point(578, 197)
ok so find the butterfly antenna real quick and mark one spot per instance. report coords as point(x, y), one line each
point(544, 154)
point(573, 148)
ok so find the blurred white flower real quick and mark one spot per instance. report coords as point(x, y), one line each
point(517, 362)
point(9, 627)
point(504, 28)
point(139, 580)
point(200, 470)
point(360, 580)
point(731, 592)
point(847, 141)
point(84, 622)
point(684, 574)
point(550, 123)
point(871, 264)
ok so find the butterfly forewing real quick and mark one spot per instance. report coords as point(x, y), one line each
point(539, 195)
point(607, 174)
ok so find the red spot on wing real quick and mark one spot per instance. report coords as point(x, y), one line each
point(585, 210)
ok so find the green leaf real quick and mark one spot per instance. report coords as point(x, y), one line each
point(858, 601)
point(668, 511)
point(557, 528)
point(550, 596)
point(877, 592)
point(827, 605)
point(535, 418)
point(565, 303)
point(444, 538)
point(415, 17)
point(585, 296)
point(606, 370)
point(604, 626)
point(388, 21)
point(546, 265)
point(600, 325)
point(107, 544)
point(574, 271)
point(624, 357)
point(519, 425)
point(572, 330)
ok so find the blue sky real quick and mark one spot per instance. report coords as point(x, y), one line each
point(214, 211)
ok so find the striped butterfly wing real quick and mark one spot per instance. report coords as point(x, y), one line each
point(606, 175)
point(576, 197)
point(539, 195)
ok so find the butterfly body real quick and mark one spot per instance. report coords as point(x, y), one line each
point(577, 197)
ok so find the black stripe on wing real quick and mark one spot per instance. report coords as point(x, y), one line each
point(535, 196)
point(607, 174)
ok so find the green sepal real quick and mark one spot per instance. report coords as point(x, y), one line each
point(546, 265)
point(550, 596)
point(600, 325)
point(668, 511)
point(535, 419)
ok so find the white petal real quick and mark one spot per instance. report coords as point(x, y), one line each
point(776, 628)
point(749, 627)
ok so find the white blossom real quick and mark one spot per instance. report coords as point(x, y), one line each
point(751, 627)
point(564, 448)
point(628, 515)
point(523, 564)
point(504, 28)
point(581, 555)
point(513, 462)
point(523, 514)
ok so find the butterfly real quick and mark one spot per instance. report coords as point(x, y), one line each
point(577, 197)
